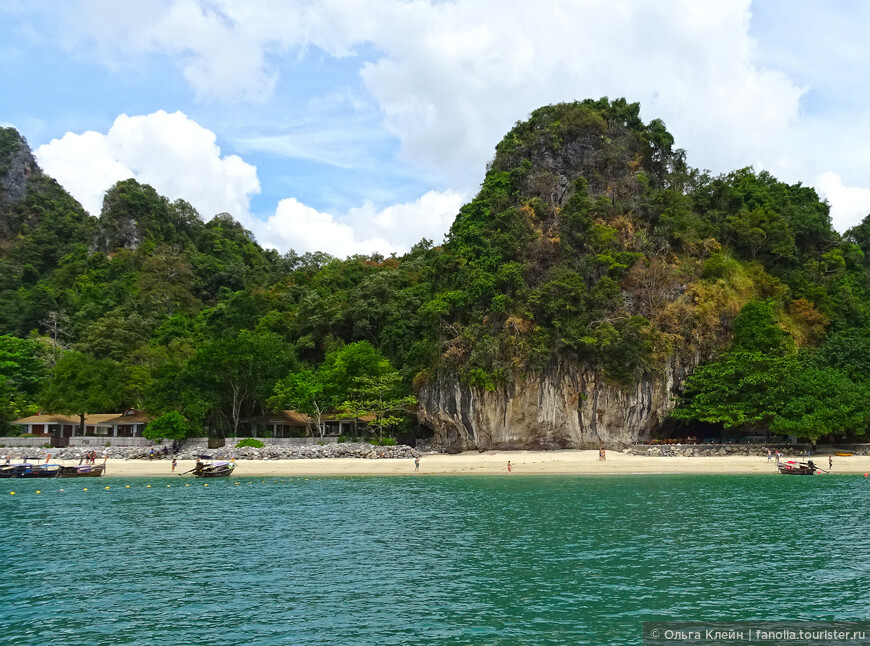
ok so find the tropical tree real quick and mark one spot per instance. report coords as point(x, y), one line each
point(818, 402)
point(169, 426)
point(81, 384)
point(22, 370)
point(238, 373)
point(379, 397)
point(304, 391)
point(315, 392)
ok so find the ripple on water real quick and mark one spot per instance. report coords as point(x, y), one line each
point(496, 560)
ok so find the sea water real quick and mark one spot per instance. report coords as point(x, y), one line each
point(423, 560)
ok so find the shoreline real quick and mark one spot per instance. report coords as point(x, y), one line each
point(567, 462)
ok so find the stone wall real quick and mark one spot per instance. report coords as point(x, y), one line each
point(708, 450)
point(190, 452)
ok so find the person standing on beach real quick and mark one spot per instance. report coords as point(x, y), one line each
point(509, 466)
point(174, 464)
point(417, 463)
point(769, 455)
point(830, 461)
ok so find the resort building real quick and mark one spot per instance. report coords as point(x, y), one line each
point(291, 423)
point(61, 429)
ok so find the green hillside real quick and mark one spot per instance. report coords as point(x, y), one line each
point(590, 242)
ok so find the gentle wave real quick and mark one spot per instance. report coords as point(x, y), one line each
point(482, 560)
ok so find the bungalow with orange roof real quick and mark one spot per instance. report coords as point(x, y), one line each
point(291, 423)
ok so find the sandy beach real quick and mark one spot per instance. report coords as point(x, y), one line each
point(490, 463)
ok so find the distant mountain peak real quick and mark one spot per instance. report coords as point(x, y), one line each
point(18, 167)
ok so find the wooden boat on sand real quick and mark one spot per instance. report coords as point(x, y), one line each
point(220, 469)
point(215, 470)
point(792, 468)
point(82, 471)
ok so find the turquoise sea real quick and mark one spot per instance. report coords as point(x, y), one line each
point(424, 560)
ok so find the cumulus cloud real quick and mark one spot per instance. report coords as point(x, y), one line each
point(363, 230)
point(451, 77)
point(180, 159)
point(849, 204)
point(171, 152)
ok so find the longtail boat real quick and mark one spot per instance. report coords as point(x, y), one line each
point(82, 471)
point(792, 468)
point(38, 471)
point(214, 470)
point(211, 469)
point(30, 470)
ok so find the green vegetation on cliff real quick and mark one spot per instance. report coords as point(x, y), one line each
point(591, 242)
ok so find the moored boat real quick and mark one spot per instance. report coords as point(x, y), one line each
point(792, 468)
point(10, 470)
point(214, 470)
point(82, 471)
point(29, 469)
point(38, 471)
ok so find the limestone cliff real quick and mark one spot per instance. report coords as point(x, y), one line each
point(574, 305)
point(17, 166)
point(567, 406)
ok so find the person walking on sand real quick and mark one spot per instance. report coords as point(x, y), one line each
point(174, 464)
point(417, 463)
point(830, 461)
point(509, 466)
point(769, 455)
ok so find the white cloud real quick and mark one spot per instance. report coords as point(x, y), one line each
point(849, 204)
point(171, 152)
point(480, 66)
point(362, 230)
point(180, 159)
point(302, 228)
point(452, 77)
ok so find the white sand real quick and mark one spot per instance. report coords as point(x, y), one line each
point(471, 463)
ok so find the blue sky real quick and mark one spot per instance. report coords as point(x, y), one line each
point(354, 127)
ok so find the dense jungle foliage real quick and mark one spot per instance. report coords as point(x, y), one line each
point(591, 241)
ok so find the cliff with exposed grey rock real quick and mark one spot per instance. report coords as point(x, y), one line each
point(565, 407)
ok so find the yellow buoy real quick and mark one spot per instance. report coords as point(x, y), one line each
point(205, 485)
point(147, 485)
point(128, 486)
point(11, 493)
point(187, 485)
point(168, 486)
point(38, 491)
point(85, 489)
point(106, 487)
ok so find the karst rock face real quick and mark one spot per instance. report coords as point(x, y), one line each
point(567, 406)
point(17, 166)
point(568, 214)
